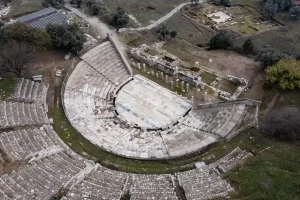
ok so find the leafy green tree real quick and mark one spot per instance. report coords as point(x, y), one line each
point(270, 57)
point(163, 31)
point(283, 5)
point(219, 41)
point(286, 73)
point(95, 9)
point(173, 34)
point(78, 2)
point(248, 46)
point(270, 8)
point(294, 12)
point(22, 33)
point(120, 19)
point(287, 4)
point(66, 36)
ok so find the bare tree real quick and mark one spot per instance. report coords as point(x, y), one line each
point(282, 123)
point(15, 57)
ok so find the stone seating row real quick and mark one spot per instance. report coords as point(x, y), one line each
point(104, 92)
point(87, 82)
point(40, 179)
point(184, 140)
point(203, 184)
point(102, 183)
point(105, 129)
point(231, 160)
point(218, 121)
point(85, 113)
point(28, 91)
point(45, 177)
point(105, 59)
point(93, 118)
point(153, 187)
point(84, 75)
point(17, 145)
point(114, 70)
point(80, 104)
point(14, 114)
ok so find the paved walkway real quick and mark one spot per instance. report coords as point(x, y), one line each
point(161, 20)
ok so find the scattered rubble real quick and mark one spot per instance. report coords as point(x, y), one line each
point(4, 10)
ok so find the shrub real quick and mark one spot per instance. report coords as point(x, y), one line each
point(270, 57)
point(164, 32)
point(294, 12)
point(219, 41)
point(286, 73)
point(95, 9)
point(248, 46)
point(120, 19)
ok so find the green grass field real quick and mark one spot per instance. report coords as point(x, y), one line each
point(22, 7)
point(144, 11)
point(274, 174)
point(188, 31)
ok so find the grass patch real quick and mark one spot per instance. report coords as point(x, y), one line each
point(6, 87)
point(208, 78)
point(209, 90)
point(274, 174)
point(245, 27)
point(188, 31)
point(144, 11)
point(227, 86)
point(20, 7)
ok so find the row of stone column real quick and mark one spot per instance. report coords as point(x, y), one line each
point(184, 87)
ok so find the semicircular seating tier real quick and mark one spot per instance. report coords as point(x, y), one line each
point(46, 168)
point(134, 117)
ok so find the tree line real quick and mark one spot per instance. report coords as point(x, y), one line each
point(272, 7)
point(281, 68)
point(21, 43)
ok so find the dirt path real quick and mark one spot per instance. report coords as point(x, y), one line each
point(100, 26)
point(161, 20)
